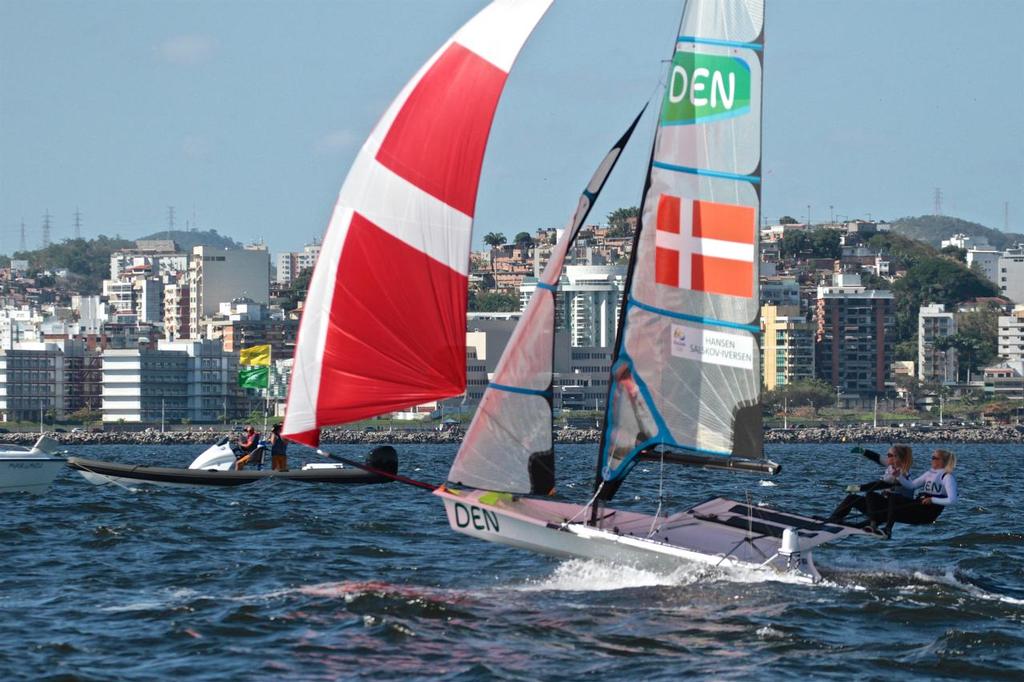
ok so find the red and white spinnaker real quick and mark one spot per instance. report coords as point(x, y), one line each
point(384, 326)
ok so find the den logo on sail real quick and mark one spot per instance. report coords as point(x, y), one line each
point(705, 87)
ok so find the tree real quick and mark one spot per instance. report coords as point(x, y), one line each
point(823, 243)
point(813, 393)
point(493, 301)
point(955, 252)
point(297, 290)
point(621, 219)
point(934, 279)
point(788, 220)
point(911, 388)
point(523, 240)
point(494, 240)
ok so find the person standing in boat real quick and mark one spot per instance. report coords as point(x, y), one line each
point(880, 497)
point(278, 450)
point(247, 445)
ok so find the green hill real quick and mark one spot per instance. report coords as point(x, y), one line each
point(86, 260)
point(186, 239)
point(932, 229)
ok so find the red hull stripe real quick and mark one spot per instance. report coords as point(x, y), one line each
point(410, 347)
point(722, 276)
point(437, 141)
point(723, 221)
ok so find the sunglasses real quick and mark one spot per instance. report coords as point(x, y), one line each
point(936, 458)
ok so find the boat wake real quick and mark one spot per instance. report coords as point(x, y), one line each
point(911, 580)
point(583, 575)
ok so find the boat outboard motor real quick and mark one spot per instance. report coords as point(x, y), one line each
point(383, 458)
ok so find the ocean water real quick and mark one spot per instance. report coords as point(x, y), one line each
point(283, 580)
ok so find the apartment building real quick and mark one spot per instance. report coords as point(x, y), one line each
point(853, 336)
point(190, 380)
point(53, 377)
point(291, 264)
point(219, 275)
point(1011, 335)
point(787, 346)
point(588, 302)
point(935, 364)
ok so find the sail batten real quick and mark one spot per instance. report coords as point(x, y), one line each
point(384, 326)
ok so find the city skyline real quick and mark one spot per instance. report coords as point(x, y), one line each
point(246, 116)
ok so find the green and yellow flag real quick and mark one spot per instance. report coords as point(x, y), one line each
point(256, 356)
point(254, 377)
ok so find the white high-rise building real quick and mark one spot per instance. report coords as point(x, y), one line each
point(986, 261)
point(1011, 274)
point(193, 380)
point(290, 265)
point(933, 364)
point(589, 297)
point(1011, 335)
point(219, 275)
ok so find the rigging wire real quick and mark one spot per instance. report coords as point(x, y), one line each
point(565, 524)
point(661, 493)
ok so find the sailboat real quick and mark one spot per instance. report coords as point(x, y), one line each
point(384, 324)
point(685, 378)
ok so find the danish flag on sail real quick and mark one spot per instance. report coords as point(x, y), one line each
point(705, 246)
point(384, 323)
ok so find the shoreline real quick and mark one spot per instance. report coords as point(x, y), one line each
point(820, 435)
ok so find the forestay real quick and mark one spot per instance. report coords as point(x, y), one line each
point(686, 373)
point(384, 325)
point(508, 446)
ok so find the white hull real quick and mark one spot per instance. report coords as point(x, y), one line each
point(708, 534)
point(31, 471)
point(28, 475)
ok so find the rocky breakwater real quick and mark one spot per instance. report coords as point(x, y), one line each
point(896, 434)
point(823, 434)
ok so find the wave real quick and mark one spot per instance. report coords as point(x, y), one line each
point(877, 576)
point(588, 575)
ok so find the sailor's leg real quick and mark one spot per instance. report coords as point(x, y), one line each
point(917, 514)
point(848, 503)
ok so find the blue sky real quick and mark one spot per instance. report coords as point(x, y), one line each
point(245, 115)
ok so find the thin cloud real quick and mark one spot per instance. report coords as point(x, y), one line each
point(336, 141)
point(187, 50)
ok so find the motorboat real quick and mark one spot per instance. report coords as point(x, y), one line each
point(215, 466)
point(30, 470)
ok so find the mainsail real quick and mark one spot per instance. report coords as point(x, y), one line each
point(508, 446)
point(686, 374)
point(385, 320)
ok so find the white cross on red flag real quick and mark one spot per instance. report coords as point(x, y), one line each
point(705, 246)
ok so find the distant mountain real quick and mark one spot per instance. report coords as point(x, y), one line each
point(932, 229)
point(186, 239)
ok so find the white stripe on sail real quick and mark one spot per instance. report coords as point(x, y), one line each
point(497, 33)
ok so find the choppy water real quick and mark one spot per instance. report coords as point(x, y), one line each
point(285, 580)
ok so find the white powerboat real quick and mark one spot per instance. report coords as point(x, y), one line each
point(32, 469)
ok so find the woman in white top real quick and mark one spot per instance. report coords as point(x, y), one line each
point(881, 497)
point(935, 490)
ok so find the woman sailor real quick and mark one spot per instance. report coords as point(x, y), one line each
point(880, 497)
point(935, 488)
